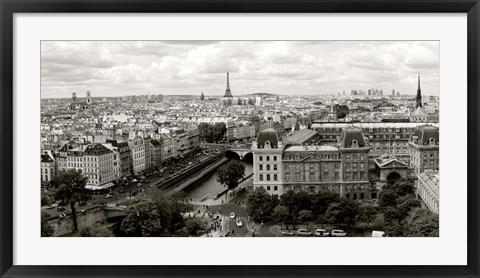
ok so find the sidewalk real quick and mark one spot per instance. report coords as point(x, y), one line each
point(227, 197)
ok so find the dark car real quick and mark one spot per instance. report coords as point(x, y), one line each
point(60, 208)
point(82, 203)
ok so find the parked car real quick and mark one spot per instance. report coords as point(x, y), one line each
point(60, 208)
point(378, 234)
point(239, 223)
point(321, 232)
point(232, 215)
point(121, 191)
point(108, 196)
point(339, 233)
point(63, 215)
point(82, 203)
point(287, 233)
point(52, 206)
point(304, 232)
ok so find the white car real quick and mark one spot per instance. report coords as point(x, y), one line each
point(304, 232)
point(338, 233)
point(108, 196)
point(239, 223)
point(321, 232)
point(378, 234)
point(232, 215)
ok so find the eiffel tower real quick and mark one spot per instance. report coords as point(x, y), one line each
point(228, 93)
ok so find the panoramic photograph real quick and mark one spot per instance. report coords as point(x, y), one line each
point(240, 139)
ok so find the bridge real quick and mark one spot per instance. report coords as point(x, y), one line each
point(242, 153)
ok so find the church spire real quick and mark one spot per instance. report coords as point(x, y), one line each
point(202, 97)
point(419, 93)
point(228, 93)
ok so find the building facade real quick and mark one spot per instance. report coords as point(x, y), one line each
point(342, 168)
point(137, 155)
point(47, 168)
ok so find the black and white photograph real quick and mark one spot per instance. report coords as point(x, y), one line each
point(240, 138)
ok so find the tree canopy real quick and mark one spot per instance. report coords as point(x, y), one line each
point(230, 173)
point(342, 111)
point(212, 132)
point(46, 229)
point(260, 205)
point(69, 187)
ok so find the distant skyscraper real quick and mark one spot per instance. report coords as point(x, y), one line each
point(228, 93)
point(419, 94)
point(393, 92)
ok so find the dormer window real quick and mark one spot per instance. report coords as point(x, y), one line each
point(267, 145)
point(432, 141)
point(354, 143)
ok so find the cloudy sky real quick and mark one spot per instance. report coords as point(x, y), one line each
point(116, 68)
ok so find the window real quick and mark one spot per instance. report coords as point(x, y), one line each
point(268, 177)
point(275, 188)
point(268, 188)
point(268, 167)
point(275, 177)
point(260, 158)
point(275, 167)
point(274, 158)
point(260, 167)
point(268, 158)
point(261, 177)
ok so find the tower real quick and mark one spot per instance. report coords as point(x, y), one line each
point(419, 94)
point(74, 97)
point(228, 93)
point(89, 97)
point(202, 97)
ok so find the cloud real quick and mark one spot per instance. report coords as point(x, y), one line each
point(186, 67)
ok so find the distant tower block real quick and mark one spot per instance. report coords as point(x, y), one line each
point(89, 97)
point(74, 97)
point(228, 93)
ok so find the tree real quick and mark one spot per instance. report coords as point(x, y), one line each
point(295, 202)
point(280, 214)
point(367, 214)
point(345, 211)
point(69, 187)
point(322, 200)
point(219, 130)
point(195, 227)
point(47, 230)
point(144, 220)
point(388, 197)
point(230, 173)
point(342, 111)
point(421, 223)
point(305, 216)
point(95, 232)
point(260, 205)
point(406, 204)
point(404, 188)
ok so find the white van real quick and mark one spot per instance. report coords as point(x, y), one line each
point(378, 234)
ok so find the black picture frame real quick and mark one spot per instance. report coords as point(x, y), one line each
point(10, 7)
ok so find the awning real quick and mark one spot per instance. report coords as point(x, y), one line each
point(99, 187)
